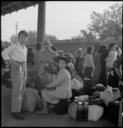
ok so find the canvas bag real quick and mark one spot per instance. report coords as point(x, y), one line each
point(95, 112)
point(29, 102)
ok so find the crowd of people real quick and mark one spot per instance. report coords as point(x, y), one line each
point(53, 74)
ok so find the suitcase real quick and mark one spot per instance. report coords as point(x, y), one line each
point(120, 114)
point(113, 112)
point(78, 111)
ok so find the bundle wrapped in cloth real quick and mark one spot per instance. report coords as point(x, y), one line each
point(76, 84)
point(51, 68)
point(110, 94)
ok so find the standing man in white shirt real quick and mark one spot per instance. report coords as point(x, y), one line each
point(16, 55)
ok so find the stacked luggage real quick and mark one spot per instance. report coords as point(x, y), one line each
point(102, 101)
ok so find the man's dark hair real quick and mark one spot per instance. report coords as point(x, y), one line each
point(89, 49)
point(23, 32)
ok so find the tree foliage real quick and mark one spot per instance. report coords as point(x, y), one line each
point(32, 37)
point(107, 24)
point(87, 35)
point(51, 38)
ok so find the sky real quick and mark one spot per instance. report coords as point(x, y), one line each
point(64, 19)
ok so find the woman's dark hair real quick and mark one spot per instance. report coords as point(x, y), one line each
point(22, 32)
point(89, 49)
point(58, 62)
point(110, 46)
point(102, 49)
point(67, 68)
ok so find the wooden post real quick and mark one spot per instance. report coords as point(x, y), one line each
point(41, 22)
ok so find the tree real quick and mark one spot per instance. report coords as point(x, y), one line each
point(87, 35)
point(32, 37)
point(76, 37)
point(107, 24)
point(51, 38)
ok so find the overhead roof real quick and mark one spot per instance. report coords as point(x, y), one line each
point(9, 7)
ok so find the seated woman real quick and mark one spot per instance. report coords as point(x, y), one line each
point(58, 89)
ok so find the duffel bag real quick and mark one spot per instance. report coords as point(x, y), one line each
point(95, 112)
point(78, 111)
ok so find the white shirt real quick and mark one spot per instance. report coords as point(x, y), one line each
point(111, 58)
point(16, 51)
point(88, 61)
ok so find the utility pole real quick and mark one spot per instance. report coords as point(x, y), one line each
point(16, 28)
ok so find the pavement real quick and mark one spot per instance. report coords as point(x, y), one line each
point(33, 119)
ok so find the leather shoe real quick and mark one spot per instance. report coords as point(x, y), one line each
point(17, 115)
